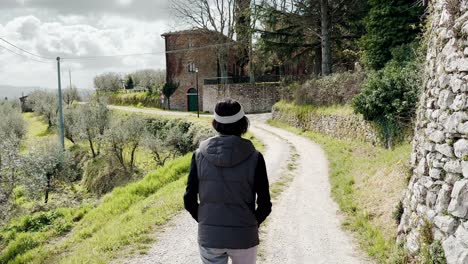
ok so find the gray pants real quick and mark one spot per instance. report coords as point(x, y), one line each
point(220, 256)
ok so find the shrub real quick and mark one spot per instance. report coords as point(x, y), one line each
point(12, 124)
point(102, 174)
point(389, 97)
point(330, 90)
point(145, 99)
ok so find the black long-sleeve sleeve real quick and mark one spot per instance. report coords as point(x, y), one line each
point(262, 189)
point(191, 191)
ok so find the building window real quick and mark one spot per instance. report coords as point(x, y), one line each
point(190, 43)
point(191, 67)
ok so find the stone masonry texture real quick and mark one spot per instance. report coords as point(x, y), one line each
point(437, 194)
point(255, 98)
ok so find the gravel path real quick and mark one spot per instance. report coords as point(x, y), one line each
point(304, 226)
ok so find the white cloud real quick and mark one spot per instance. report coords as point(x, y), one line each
point(79, 35)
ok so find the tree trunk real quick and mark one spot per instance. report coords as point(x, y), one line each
point(326, 38)
point(132, 156)
point(318, 61)
point(91, 146)
point(47, 190)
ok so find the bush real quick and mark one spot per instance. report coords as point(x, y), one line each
point(12, 124)
point(143, 99)
point(102, 174)
point(330, 90)
point(389, 96)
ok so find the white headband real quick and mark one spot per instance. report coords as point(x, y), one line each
point(229, 119)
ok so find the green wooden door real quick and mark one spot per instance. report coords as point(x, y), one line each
point(192, 100)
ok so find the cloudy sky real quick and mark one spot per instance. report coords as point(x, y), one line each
point(74, 28)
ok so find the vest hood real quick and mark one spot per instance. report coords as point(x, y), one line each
point(226, 151)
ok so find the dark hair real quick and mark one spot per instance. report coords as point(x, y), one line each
point(229, 107)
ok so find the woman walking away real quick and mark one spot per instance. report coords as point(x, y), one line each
point(228, 176)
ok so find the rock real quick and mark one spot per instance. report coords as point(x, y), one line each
point(459, 204)
point(443, 199)
point(429, 146)
point(455, 119)
point(461, 148)
point(412, 242)
point(456, 84)
point(435, 173)
point(435, 114)
point(453, 250)
point(445, 223)
point(446, 98)
point(419, 193)
point(462, 65)
point(431, 199)
point(453, 166)
point(465, 168)
point(445, 149)
point(462, 234)
point(463, 128)
point(421, 169)
point(452, 178)
point(459, 103)
point(437, 136)
point(444, 81)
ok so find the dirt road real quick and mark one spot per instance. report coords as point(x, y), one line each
point(304, 226)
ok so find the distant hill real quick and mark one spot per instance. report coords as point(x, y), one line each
point(14, 92)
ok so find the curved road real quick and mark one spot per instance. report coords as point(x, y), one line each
point(304, 226)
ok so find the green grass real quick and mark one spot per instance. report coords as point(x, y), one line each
point(124, 219)
point(300, 110)
point(366, 183)
point(38, 130)
point(28, 232)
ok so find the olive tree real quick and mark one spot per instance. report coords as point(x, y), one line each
point(10, 168)
point(93, 122)
point(110, 81)
point(125, 136)
point(45, 165)
point(45, 103)
point(12, 124)
point(70, 95)
point(153, 80)
point(71, 123)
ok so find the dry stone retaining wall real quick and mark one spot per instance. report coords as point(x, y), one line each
point(345, 127)
point(437, 194)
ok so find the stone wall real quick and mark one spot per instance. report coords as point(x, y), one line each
point(255, 98)
point(437, 194)
point(345, 127)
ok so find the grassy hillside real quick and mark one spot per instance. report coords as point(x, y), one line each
point(367, 183)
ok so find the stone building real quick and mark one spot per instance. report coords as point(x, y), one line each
point(435, 215)
point(212, 53)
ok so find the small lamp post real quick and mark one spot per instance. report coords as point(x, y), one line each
point(198, 98)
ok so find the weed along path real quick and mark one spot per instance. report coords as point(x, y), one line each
point(304, 226)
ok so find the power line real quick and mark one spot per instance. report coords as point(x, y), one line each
point(150, 53)
point(22, 55)
point(25, 51)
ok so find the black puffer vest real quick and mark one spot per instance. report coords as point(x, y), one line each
point(226, 169)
